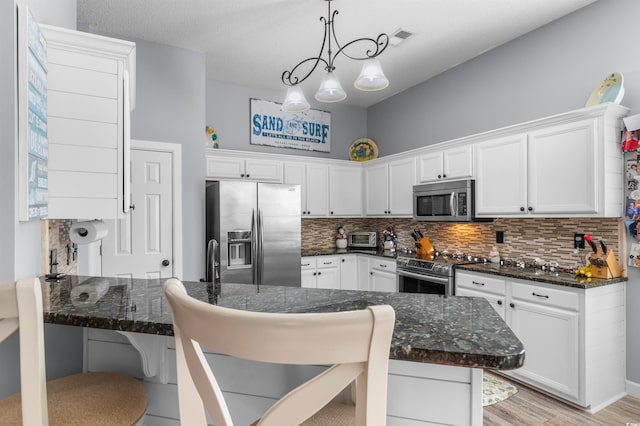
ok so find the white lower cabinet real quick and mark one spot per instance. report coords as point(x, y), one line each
point(320, 272)
point(574, 339)
point(349, 272)
point(382, 275)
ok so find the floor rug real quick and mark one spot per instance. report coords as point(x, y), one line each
point(495, 389)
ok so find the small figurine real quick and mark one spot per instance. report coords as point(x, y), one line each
point(341, 238)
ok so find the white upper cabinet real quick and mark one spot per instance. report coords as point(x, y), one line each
point(90, 94)
point(246, 167)
point(569, 167)
point(345, 190)
point(388, 188)
point(446, 164)
point(314, 184)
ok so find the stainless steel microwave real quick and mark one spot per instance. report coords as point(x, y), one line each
point(444, 201)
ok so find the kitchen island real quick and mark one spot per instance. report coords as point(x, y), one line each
point(439, 347)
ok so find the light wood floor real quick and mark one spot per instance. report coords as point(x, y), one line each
point(529, 407)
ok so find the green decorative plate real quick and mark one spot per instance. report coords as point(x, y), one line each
point(610, 90)
point(363, 149)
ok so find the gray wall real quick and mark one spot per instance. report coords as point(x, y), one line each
point(20, 242)
point(228, 112)
point(170, 107)
point(548, 71)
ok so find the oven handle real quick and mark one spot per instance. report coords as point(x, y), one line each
point(439, 280)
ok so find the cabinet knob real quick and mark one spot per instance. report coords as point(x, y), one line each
point(513, 305)
point(247, 174)
point(331, 212)
point(530, 208)
point(439, 176)
point(241, 174)
point(315, 273)
point(308, 212)
point(319, 273)
point(166, 262)
point(521, 209)
point(371, 273)
point(500, 302)
point(343, 260)
point(444, 176)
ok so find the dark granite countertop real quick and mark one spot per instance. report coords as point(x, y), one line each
point(379, 252)
point(462, 331)
point(534, 274)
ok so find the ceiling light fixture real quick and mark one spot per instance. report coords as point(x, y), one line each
point(371, 77)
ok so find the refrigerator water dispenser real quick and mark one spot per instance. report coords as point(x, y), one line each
point(239, 248)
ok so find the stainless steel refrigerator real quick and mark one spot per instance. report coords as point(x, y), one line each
point(253, 233)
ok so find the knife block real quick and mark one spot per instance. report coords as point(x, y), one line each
point(426, 250)
point(604, 265)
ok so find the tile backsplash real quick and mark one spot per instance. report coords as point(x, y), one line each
point(55, 236)
point(546, 239)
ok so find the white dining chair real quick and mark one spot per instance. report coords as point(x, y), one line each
point(80, 399)
point(355, 344)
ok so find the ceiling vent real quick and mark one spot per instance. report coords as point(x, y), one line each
point(399, 36)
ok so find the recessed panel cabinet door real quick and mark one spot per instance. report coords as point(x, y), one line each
point(563, 169)
point(501, 176)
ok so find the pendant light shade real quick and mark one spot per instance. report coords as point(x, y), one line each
point(295, 100)
point(330, 89)
point(371, 77)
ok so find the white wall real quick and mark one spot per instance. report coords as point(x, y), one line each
point(228, 112)
point(548, 71)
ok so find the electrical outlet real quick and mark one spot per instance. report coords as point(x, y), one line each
point(578, 241)
point(500, 237)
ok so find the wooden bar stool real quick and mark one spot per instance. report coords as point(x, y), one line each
point(355, 344)
point(80, 399)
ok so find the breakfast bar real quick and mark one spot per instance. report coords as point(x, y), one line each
point(439, 348)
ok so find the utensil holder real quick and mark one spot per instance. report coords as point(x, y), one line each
point(604, 265)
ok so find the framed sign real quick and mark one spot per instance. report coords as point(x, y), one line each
point(33, 147)
point(270, 125)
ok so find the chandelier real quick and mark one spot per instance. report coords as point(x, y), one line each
point(371, 77)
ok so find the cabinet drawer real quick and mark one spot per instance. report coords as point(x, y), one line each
point(383, 265)
point(308, 263)
point(546, 296)
point(482, 283)
point(327, 262)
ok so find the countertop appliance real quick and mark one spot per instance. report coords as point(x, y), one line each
point(253, 233)
point(363, 239)
point(445, 201)
point(434, 276)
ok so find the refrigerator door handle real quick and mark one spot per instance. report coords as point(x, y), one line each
point(212, 274)
point(254, 247)
point(260, 246)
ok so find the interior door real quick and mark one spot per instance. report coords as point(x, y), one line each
point(140, 245)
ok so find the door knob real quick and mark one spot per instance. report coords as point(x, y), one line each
point(165, 262)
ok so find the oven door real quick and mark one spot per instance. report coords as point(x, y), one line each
point(412, 282)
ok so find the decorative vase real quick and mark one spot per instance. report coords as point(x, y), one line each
point(341, 243)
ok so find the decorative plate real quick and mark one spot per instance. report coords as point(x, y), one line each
point(610, 90)
point(363, 149)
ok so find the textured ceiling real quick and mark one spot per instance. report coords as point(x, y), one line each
point(250, 42)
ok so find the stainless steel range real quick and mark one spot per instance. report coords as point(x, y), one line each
point(435, 276)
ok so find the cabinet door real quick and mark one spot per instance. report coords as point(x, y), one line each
point(383, 281)
point(345, 191)
point(225, 167)
point(328, 277)
point(376, 181)
point(430, 167)
point(563, 169)
point(317, 190)
point(349, 272)
point(501, 176)
point(457, 162)
point(308, 278)
point(363, 272)
point(496, 301)
point(261, 170)
point(550, 336)
point(402, 177)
